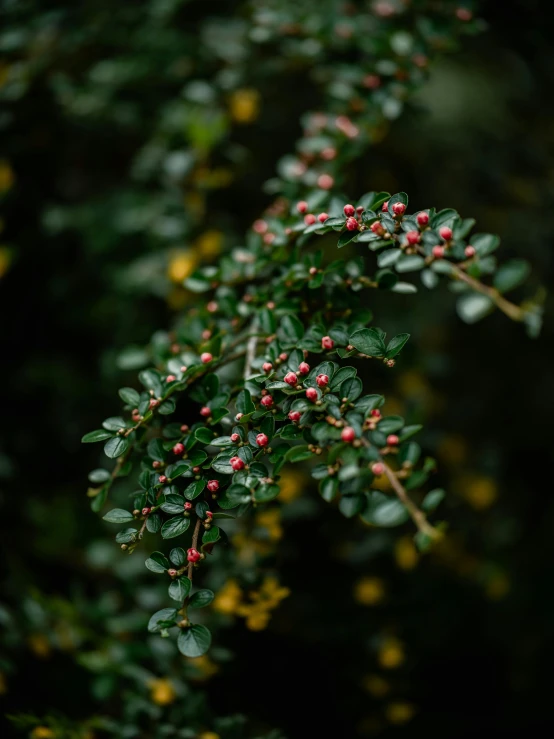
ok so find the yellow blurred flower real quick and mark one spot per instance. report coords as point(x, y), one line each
point(6, 176)
point(376, 686)
point(453, 449)
point(256, 620)
point(399, 713)
point(40, 645)
point(291, 484)
point(369, 591)
point(42, 732)
point(182, 264)
point(209, 243)
point(5, 260)
point(391, 653)
point(267, 598)
point(208, 735)
point(205, 667)
point(270, 519)
point(479, 491)
point(228, 598)
point(405, 553)
point(498, 586)
point(162, 691)
point(244, 105)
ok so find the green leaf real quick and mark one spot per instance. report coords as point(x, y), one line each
point(346, 237)
point(162, 620)
point(445, 217)
point(179, 589)
point(194, 641)
point(203, 435)
point(129, 395)
point(351, 388)
point(126, 535)
point(178, 556)
point(511, 274)
point(151, 380)
point(244, 402)
point(175, 527)
point(99, 475)
point(410, 263)
point(399, 197)
point(201, 599)
point(298, 454)
point(194, 489)
point(471, 307)
point(116, 446)
point(388, 257)
point(291, 327)
point(485, 244)
point(100, 435)
point(384, 511)
point(265, 493)
point(432, 500)
point(328, 488)
point(118, 515)
point(211, 535)
point(368, 341)
point(396, 345)
point(157, 562)
point(114, 423)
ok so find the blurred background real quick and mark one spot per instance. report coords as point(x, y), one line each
point(119, 172)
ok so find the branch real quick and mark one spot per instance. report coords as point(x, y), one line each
point(510, 309)
point(194, 545)
point(417, 515)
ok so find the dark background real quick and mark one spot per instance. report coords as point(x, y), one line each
point(478, 138)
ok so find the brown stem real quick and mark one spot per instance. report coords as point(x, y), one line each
point(194, 546)
point(510, 309)
point(417, 515)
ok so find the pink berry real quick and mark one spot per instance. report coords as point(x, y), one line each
point(303, 368)
point(322, 380)
point(262, 440)
point(311, 394)
point(302, 206)
point(327, 342)
point(313, 270)
point(213, 486)
point(325, 181)
point(438, 251)
point(206, 357)
point(470, 251)
point(295, 415)
point(378, 468)
point(322, 217)
point(412, 237)
point(283, 356)
point(170, 378)
point(212, 306)
point(193, 555)
point(349, 210)
point(376, 413)
point(236, 463)
point(205, 411)
point(239, 416)
point(464, 14)
point(260, 226)
point(269, 238)
point(348, 434)
point(445, 233)
point(172, 572)
point(178, 448)
point(385, 207)
point(145, 511)
point(328, 153)
point(290, 378)
point(392, 439)
point(399, 209)
point(162, 479)
point(156, 465)
point(267, 401)
point(187, 506)
point(371, 81)
point(422, 218)
point(267, 366)
point(352, 224)
point(153, 403)
point(309, 219)
point(209, 515)
point(377, 228)
point(184, 428)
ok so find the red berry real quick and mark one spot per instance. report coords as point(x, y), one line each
point(348, 434)
point(311, 394)
point(146, 510)
point(290, 378)
point(385, 207)
point(170, 378)
point(172, 572)
point(236, 463)
point(360, 210)
point(322, 380)
point(295, 415)
point(325, 181)
point(422, 218)
point(209, 514)
point(412, 237)
point(184, 428)
point(438, 251)
point(313, 270)
point(309, 219)
point(193, 555)
point(322, 217)
point(267, 366)
point(162, 479)
point(392, 439)
point(262, 440)
point(234, 438)
point(205, 411)
point(187, 506)
point(327, 342)
point(470, 251)
point(213, 486)
point(260, 226)
point(206, 357)
point(377, 228)
point(283, 356)
point(156, 465)
point(267, 401)
point(178, 448)
point(303, 368)
point(153, 403)
point(464, 14)
point(445, 233)
point(196, 470)
point(302, 206)
point(352, 224)
point(376, 413)
point(328, 153)
point(212, 306)
point(239, 416)
point(378, 468)
point(371, 81)
point(349, 210)
point(399, 209)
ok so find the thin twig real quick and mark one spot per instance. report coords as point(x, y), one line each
point(510, 309)
point(194, 545)
point(417, 515)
